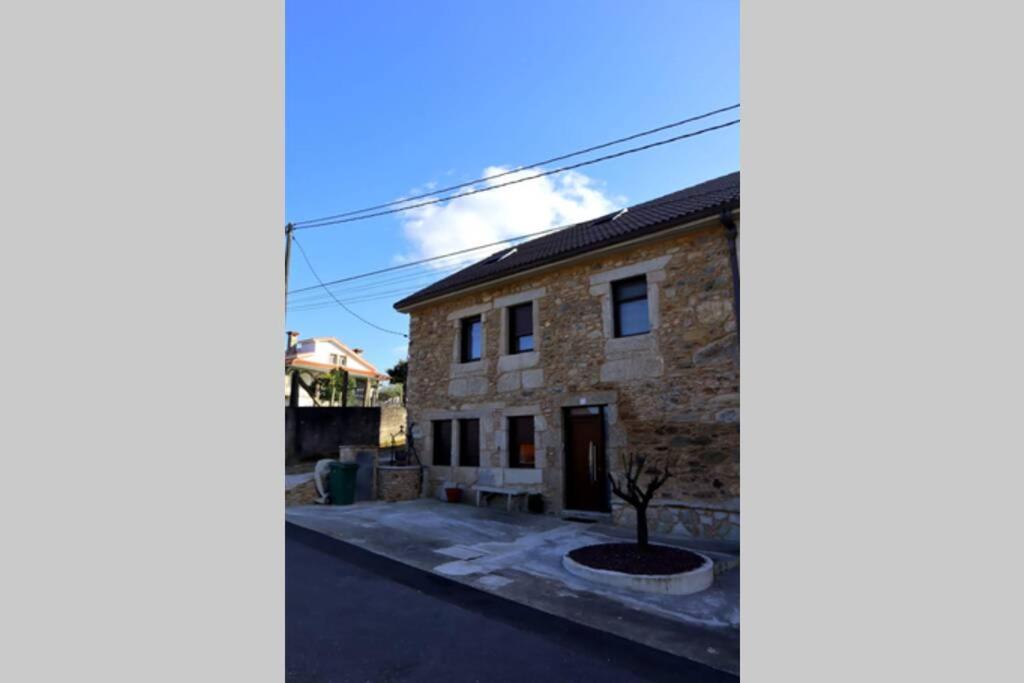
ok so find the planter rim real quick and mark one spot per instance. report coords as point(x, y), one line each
point(685, 583)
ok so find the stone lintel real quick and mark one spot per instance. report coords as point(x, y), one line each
point(519, 297)
point(639, 268)
point(470, 311)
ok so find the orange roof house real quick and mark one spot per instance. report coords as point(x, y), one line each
point(307, 359)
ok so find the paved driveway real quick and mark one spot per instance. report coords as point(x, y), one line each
point(353, 615)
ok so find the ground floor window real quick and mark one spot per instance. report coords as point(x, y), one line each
point(442, 442)
point(469, 443)
point(521, 451)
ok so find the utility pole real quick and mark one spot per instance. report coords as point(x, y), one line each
point(288, 254)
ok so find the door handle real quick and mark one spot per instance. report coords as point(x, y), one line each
point(592, 461)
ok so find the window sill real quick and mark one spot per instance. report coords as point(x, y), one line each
point(634, 343)
point(518, 361)
point(470, 368)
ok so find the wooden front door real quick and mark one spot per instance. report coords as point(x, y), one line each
point(586, 485)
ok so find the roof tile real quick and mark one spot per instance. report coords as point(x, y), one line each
point(692, 203)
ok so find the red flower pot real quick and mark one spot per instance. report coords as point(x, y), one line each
point(454, 494)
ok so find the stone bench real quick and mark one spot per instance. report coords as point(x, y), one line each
point(483, 492)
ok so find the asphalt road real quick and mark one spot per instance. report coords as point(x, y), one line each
point(355, 616)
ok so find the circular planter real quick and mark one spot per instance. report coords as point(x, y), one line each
point(683, 583)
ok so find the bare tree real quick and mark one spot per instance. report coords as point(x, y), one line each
point(637, 495)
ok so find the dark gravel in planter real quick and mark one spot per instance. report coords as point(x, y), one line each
point(628, 558)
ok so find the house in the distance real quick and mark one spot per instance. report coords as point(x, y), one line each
point(538, 368)
point(308, 359)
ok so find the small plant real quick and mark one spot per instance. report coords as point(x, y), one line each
point(636, 495)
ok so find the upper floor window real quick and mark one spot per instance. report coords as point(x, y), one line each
point(521, 451)
point(471, 338)
point(442, 442)
point(629, 301)
point(337, 359)
point(520, 328)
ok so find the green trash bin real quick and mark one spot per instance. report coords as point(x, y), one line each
point(342, 483)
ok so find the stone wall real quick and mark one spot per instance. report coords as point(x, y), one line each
point(315, 433)
point(392, 419)
point(672, 393)
point(693, 518)
point(398, 483)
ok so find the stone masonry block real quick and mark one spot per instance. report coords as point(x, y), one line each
point(509, 381)
point(533, 379)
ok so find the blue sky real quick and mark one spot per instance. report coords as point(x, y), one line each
point(384, 99)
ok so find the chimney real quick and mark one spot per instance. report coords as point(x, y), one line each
point(293, 338)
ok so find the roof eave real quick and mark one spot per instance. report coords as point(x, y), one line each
point(410, 304)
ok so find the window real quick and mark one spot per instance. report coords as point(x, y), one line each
point(629, 299)
point(471, 341)
point(442, 442)
point(520, 441)
point(520, 328)
point(469, 443)
point(337, 359)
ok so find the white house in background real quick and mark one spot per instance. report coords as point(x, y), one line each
point(307, 359)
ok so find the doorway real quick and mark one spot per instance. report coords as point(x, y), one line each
point(586, 481)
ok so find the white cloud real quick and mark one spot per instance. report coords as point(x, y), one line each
point(503, 213)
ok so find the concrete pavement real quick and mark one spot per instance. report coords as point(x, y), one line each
point(518, 557)
point(353, 615)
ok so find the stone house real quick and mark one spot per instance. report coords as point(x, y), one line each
point(540, 366)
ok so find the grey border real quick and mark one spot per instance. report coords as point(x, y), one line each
point(143, 196)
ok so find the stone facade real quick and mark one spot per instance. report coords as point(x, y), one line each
point(694, 518)
point(671, 393)
point(398, 483)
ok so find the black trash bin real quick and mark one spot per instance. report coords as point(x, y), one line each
point(342, 483)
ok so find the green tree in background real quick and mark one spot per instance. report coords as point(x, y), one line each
point(391, 391)
point(399, 374)
point(332, 387)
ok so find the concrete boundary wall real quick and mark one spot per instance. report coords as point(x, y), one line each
point(315, 433)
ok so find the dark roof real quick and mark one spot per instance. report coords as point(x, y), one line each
point(706, 199)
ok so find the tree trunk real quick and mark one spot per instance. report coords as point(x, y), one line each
point(641, 527)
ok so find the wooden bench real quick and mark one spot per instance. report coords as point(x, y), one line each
point(483, 492)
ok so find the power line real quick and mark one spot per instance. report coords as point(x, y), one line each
point(348, 294)
point(426, 260)
point(632, 150)
point(354, 297)
point(520, 168)
point(437, 269)
point(376, 296)
point(327, 289)
point(439, 257)
point(424, 276)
